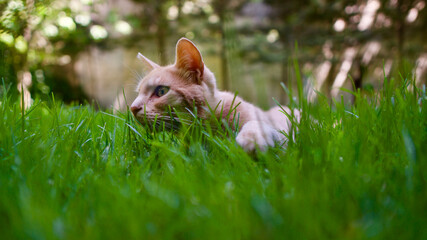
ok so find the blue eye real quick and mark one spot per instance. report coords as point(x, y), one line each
point(161, 90)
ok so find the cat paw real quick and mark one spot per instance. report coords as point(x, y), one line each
point(257, 134)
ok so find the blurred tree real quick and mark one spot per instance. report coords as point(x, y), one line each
point(162, 29)
point(336, 39)
point(364, 27)
point(222, 8)
point(39, 34)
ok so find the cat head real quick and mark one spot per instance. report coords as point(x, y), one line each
point(180, 86)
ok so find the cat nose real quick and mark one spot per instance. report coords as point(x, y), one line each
point(135, 109)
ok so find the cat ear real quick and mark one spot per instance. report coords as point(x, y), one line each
point(189, 58)
point(148, 64)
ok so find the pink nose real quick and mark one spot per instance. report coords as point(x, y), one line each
point(135, 109)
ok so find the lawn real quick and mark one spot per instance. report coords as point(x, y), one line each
point(353, 172)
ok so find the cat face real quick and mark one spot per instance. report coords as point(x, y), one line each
point(164, 91)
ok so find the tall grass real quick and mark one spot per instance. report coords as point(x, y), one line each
point(353, 172)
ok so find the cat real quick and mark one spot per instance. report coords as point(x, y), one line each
point(189, 83)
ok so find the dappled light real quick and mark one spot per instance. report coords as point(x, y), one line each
point(370, 51)
point(123, 27)
point(368, 14)
point(339, 25)
point(272, 36)
point(421, 69)
point(346, 64)
point(98, 32)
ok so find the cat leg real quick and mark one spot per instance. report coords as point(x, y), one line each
point(257, 133)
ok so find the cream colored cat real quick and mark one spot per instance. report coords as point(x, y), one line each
point(189, 83)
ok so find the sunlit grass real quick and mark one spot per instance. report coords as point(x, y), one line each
point(352, 172)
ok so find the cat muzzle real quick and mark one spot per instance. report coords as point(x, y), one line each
point(135, 110)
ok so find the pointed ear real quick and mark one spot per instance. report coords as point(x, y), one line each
point(189, 59)
point(148, 64)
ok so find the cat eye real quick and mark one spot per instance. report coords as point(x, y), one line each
point(161, 90)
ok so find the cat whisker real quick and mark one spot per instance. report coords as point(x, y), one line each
point(137, 76)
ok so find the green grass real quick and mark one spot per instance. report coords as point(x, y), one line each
point(353, 172)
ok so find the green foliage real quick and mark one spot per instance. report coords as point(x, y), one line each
point(353, 172)
point(46, 36)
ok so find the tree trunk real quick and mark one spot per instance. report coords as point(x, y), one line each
point(358, 76)
point(179, 5)
point(224, 60)
point(162, 26)
point(400, 31)
point(220, 7)
point(284, 79)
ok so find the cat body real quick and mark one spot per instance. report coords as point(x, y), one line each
point(189, 83)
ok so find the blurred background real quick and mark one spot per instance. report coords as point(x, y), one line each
point(85, 50)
